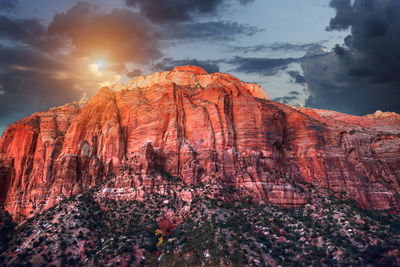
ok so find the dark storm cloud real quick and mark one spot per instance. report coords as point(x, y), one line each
point(332, 87)
point(27, 86)
point(363, 75)
point(122, 35)
point(161, 11)
point(29, 31)
point(296, 76)
point(8, 5)
point(178, 20)
point(261, 66)
point(374, 42)
point(210, 66)
point(245, 2)
point(26, 58)
point(274, 47)
point(344, 15)
point(208, 31)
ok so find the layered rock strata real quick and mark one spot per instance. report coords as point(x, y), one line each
point(194, 127)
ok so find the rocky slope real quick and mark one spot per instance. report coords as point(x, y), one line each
point(202, 129)
point(90, 230)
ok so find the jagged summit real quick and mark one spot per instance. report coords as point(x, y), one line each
point(191, 68)
point(190, 126)
point(194, 77)
point(384, 115)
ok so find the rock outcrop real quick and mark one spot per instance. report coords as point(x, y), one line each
point(196, 127)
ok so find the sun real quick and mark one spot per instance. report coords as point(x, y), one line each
point(101, 63)
point(102, 72)
point(98, 67)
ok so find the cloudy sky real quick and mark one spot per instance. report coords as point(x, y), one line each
point(333, 54)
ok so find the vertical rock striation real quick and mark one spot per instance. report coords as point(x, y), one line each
point(200, 128)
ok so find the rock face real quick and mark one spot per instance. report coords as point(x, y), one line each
point(200, 128)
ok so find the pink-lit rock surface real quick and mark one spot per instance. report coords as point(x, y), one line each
point(201, 128)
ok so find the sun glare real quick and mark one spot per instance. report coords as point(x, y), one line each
point(100, 63)
point(98, 67)
point(103, 75)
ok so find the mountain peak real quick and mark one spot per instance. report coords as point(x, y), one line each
point(191, 68)
point(194, 127)
point(196, 78)
point(384, 115)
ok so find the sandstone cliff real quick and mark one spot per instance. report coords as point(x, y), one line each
point(201, 128)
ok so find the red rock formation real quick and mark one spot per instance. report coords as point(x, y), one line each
point(209, 128)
